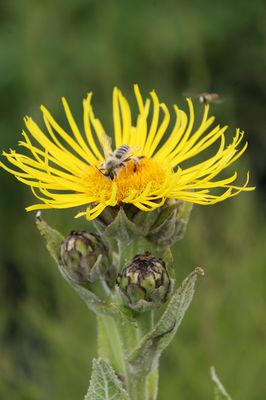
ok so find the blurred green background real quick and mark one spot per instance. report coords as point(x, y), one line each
point(53, 48)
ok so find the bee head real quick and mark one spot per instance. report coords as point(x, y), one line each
point(109, 174)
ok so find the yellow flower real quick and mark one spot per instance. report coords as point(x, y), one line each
point(63, 168)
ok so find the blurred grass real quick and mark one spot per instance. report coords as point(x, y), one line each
point(55, 48)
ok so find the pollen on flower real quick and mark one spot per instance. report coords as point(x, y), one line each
point(140, 183)
point(62, 165)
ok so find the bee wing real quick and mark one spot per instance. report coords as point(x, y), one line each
point(106, 143)
point(191, 95)
point(219, 101)
point(214, 98)
point(133, 150)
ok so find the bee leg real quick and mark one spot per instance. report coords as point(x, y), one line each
point(100, 169)
point(136, 161)
point(123, 165)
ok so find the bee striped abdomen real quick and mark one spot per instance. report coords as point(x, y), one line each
point(121, 151)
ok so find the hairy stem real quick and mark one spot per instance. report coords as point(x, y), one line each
point(116, 340)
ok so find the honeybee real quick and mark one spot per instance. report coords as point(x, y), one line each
point(116, 160)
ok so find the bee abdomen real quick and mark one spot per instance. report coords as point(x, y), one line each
point(121, 151)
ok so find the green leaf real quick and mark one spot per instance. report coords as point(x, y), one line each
point(109, 343)
point(93, 302)
point(219, 390)
point(104, 383)
point(167, 257)
point(122, 229)
point(52, 237)
point(145, 357)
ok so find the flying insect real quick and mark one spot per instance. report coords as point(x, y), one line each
point(206, 98)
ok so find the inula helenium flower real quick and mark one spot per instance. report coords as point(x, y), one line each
point(79, 168)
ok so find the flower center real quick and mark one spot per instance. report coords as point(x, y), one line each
point(131, 181)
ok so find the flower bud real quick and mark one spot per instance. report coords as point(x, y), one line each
point(145, 283)
point(84, 257)
point(171, 223)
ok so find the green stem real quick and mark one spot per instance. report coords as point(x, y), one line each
point(116, 339)
point(153, 379)
point(145, 323)
point(118, 336)
point(138, 388)
point(143, 387)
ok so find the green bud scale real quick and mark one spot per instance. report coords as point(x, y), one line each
point(145, 283)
